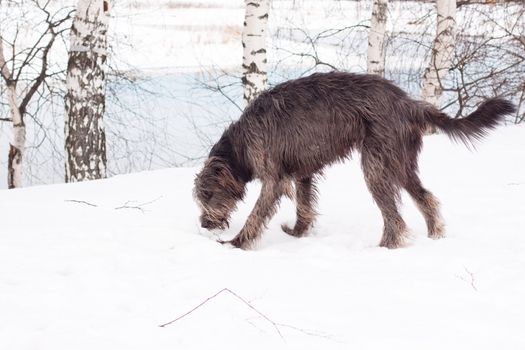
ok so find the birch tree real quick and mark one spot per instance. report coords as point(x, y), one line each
point(17, 145)
point(254, 48)
point(26, 72)
point(442, 51)
point(85, 139)
point(376, 38)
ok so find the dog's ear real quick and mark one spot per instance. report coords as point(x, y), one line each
point(215, 166)
point(205, 179)
point(217, 171)
point(222, 172)
point(224, 176)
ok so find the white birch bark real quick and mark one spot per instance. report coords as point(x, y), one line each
point(376, 38)
point(85, 139)
point(17, 145)
point(442, 52)
point(254, 48)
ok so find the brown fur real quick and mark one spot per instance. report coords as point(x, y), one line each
point(291, 132)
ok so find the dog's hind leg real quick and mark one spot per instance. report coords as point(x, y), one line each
point(428, 204)
point(262, 212)
point(383, 185)
point(306, 195)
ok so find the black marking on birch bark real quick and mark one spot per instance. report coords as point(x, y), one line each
point(265, 16)
point(252, 68)
point(245, 81)
point(74, 30)
point(14, 157)
point(254, 4)
point(258, 51)
point(382, 9)
point(445, 32)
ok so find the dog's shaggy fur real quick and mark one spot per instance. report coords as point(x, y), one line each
point(291, 132)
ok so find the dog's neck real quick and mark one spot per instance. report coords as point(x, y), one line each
point(225, 150)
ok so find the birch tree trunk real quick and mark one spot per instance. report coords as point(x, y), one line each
point(376, 38)
point(254, 48)
point(17, 145)
point(442, 52)
point(85, 139)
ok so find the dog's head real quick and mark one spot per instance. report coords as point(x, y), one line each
point(217, 192)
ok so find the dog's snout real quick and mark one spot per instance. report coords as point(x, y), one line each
point(205, 223)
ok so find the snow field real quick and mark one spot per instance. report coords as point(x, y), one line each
point(74, 275)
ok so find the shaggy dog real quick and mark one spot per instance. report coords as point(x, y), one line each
point(291, 132)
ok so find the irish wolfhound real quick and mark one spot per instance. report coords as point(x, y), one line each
point(291, 132)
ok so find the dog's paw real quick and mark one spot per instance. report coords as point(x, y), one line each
point(288, 230)
point(393, 242)
point(292, 231)
point(437, 235)
point(391, 245)
point(437, 232)
point(238, 242)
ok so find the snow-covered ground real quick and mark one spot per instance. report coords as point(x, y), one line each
point(106, 272)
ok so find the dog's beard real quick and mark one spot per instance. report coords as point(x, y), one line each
point(211, 222)
point(224, 224)
point(215, 217)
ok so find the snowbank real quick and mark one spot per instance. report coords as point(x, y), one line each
point(101, 265)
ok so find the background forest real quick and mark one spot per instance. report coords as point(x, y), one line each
point(174, 68)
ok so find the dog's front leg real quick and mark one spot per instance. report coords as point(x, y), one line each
point(264, 209)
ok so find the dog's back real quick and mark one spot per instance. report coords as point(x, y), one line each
point(314, 121)
point(304, 124)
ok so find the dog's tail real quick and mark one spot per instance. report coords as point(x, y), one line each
point(476, 125)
